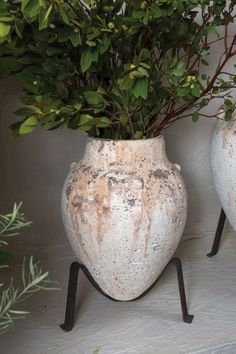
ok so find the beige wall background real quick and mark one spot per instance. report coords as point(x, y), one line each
point(33, 169)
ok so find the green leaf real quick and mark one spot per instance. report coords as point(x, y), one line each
point(179, 6)
point(28, 80)
point(4, 29)
point(124, 118)
point(88, 56)
point(39, 279)
point(19, 312)
point(204, 62)
point(183, 91)
point(85, 119)
point(27, 111)
point(115, 91)
point(195, 117)
point(24, 3)
point(155, 11)
point(127, 83)
point(28, 125)
point(140, 88)
point(43, 3)
point(93, 33)
point(6, 19)
point(32, 9)
point(77, 106)
point(102, 122)
point(104, 44)
point(44, 17)
point(179, 70)
point(64, 15)
point(209, 30)
point(146, 18)
point(143, 71)
point(138, 135)
point(228, 103)
point(85, 128)
point(145, 65)
point(228, 115)
point(19, 27)
point(93, 97)
point(53, 50)
point(15, 127)
point(196, 91)
point(138, 14)
point(75, 39)
point(144, 55)
point(91, 43)
point(204, 102)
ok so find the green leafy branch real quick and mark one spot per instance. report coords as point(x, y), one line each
point(116, 69)
point(33, 280)
point(10, 224)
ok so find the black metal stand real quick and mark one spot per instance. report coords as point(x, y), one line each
point(218, 234)
point(72, 288)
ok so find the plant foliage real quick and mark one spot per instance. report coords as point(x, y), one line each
point(33, 278)
point(116, 69)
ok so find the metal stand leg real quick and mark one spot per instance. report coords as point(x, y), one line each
point(71, 297)
point(187, 318)
point(218, 234)
point(72, 288)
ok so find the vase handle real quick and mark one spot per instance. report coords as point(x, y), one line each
point(178, 167)
point(72, 165)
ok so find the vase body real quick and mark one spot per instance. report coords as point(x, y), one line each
point(124, 209)
point(223, 160)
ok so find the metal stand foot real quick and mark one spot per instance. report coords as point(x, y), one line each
point(71, 297)
point(72, 288)
point(218, 234)
point(187, 318)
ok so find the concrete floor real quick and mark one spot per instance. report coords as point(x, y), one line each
point(152, 325)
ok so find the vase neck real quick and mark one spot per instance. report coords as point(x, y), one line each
point(125, 152)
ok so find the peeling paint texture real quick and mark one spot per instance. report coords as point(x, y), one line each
point(124, 210)
point(223, 158)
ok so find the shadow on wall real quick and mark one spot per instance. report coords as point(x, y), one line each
point(33, 169)
point(188, 144)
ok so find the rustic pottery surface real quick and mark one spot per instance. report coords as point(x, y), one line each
point(223, 157)
point(124, 210)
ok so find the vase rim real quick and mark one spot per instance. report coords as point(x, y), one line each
point(159, 137)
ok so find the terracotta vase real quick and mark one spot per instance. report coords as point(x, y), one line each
point(223, 159)
point(124, 208)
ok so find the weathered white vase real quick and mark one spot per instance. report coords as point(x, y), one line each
point(223, 158)
point(124, 209)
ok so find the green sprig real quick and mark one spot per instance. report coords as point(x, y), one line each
point(33, 278)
